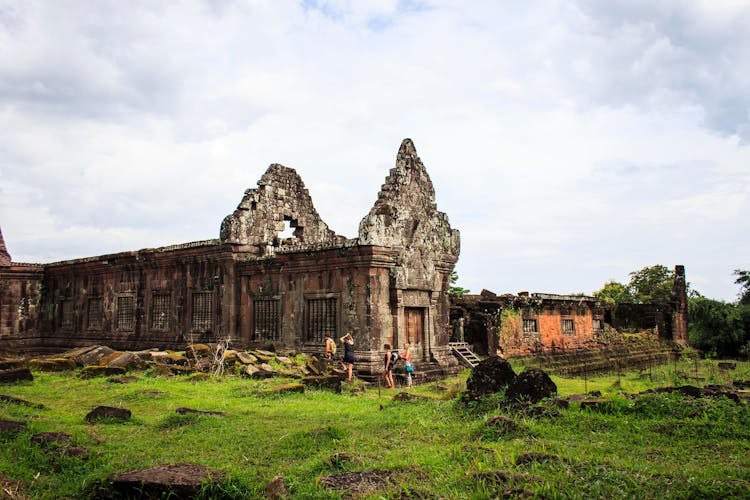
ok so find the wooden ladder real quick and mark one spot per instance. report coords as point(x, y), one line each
point(464, 354)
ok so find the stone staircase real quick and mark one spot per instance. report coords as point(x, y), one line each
point(463, 352)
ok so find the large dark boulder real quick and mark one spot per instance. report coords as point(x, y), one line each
point(489, 376)
point(532, 384)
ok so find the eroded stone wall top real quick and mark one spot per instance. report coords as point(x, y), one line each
point(280, 200)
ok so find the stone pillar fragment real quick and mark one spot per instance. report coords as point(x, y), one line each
point(680, 305)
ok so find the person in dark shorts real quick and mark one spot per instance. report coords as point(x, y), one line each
point(348, 361)
point(389, 362)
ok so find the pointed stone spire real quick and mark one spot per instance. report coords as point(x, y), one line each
point(4, 255)
point(405, 216)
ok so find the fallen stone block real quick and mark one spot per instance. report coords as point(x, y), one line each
point(184, 410)
point(197, 351)
point(283, 389)
point(527, 458)
point(324, 382)
point(89, 355)
point(11, 428)
point(19, 401)
point(502, 423)
point(489, 376)
point(127, 360)
point(108, 413)
point(246, 358)
point(532, 384)
point(15, 375)
point(100, 371)
point(50, 438)
point(596, 404)
point(52, 364)
point(12, 364)
point(165, 481)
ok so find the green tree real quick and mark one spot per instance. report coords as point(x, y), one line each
point(614, 292)
point(651, 284)
point(718, 326)
point(743, 279)
point(454, 289)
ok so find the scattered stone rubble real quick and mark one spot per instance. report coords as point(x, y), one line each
point(196, 360)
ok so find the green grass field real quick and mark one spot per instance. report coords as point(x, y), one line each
point(656, 446)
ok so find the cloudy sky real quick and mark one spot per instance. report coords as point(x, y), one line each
point(570, 142)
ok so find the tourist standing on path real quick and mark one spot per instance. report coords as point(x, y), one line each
point(409, 368)
point(348, 361)
point(388, 363)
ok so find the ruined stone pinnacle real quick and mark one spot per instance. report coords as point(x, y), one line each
point(4, 255)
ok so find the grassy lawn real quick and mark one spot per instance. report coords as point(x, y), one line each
point(656, 446)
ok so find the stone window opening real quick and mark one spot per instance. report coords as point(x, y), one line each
point(266, 319)
point(321, 319)
point(161, 306)
point(68, 314)
point(530, 326)
point(598, 325)
point(292, 231)
point(568, 326)
point(94, 313)
point(202, 311)
point(125, 317)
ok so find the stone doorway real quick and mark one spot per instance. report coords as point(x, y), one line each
point(414, 326)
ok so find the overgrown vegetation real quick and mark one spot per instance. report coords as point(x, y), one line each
point(658, 445)
point(719, 328)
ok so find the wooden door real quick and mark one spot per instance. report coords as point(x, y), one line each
point(414, 325)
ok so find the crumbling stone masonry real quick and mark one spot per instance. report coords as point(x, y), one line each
point(526, 324)
point(388, 285)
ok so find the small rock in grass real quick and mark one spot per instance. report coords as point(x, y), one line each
point(285, 388)
point(534, 456)
point(50, 438)
point(20, 402)
point(502, 423)
point(185, 410)
point(11, 428)
point(276, 489)
point(108, 412)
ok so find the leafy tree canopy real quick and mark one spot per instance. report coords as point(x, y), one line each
point(652, 284)
point(454, 289)
point(743, 279)
point(718, 326)
point(614, 292)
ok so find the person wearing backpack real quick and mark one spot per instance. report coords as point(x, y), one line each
point(389, 362)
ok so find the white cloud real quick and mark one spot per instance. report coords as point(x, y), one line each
point(570, 143)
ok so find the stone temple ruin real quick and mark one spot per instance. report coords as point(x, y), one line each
point(254, 287)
